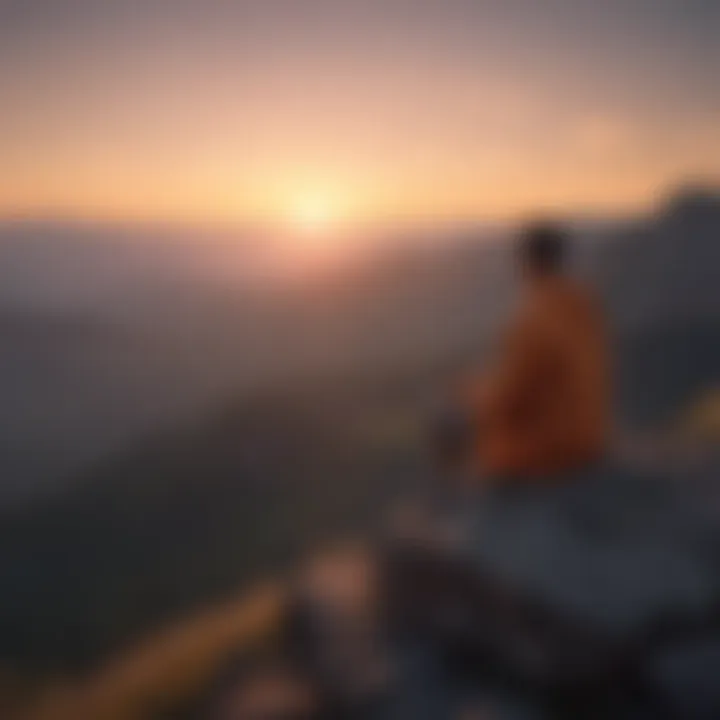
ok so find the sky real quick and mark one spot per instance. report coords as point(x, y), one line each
point(313, 111)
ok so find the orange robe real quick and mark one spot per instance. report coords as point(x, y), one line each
point(545, 407)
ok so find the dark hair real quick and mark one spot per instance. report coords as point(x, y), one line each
point(543, 246)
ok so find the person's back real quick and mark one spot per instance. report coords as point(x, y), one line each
point(545, 406)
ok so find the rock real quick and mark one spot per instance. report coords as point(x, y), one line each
point(495, 707)
point(562, 588)
point(336, 630)
point(269, 693)
point(686, 676)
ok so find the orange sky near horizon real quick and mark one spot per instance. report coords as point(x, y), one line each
point(352, 112)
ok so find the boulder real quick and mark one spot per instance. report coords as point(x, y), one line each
point(568, 589)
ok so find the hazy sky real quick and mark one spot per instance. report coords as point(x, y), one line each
point(222, 109)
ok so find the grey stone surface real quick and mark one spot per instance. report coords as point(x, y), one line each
point(610, 548)
point(688, 678)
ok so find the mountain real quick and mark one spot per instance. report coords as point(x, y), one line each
point(659, 279)
point(194, 515)
point(178, 321)
point(352, 367)
point(664, 269)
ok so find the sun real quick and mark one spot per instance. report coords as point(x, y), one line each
point(314, 214)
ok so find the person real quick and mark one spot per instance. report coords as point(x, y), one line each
point(542, 408)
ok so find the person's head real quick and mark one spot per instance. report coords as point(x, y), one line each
point(542, 249)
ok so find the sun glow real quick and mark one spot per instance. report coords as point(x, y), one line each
point(319, 234)
point(315, 214)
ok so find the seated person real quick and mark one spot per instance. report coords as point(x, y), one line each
point(543, 406)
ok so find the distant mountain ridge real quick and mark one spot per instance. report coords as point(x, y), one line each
point(195, 511)
point(666, 268)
